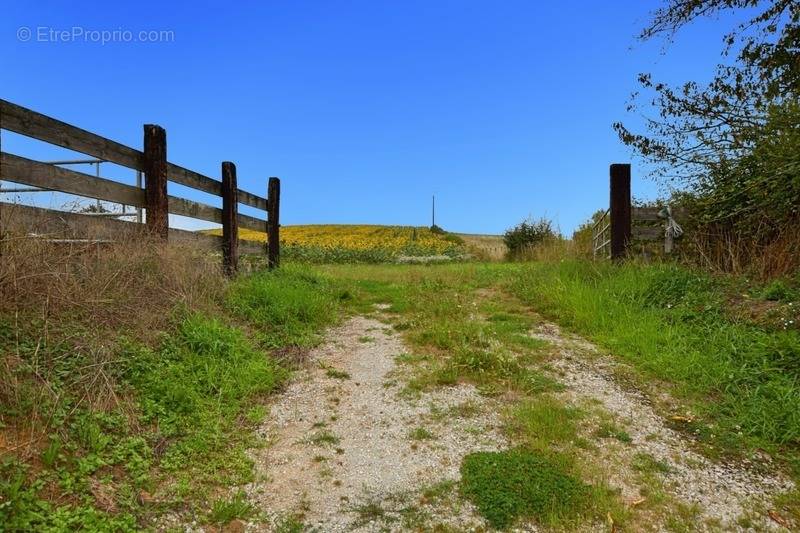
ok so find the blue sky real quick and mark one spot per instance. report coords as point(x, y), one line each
point(502, 108)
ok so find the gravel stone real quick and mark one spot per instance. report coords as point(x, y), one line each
point(371, 456)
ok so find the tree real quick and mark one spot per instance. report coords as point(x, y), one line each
point(702, 127)
point(733, 142)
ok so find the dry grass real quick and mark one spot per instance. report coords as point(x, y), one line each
point(552, 250)
point(709, 249)
point(132, 282)
point(485, 247)
point(75, 301)
point(721, 250)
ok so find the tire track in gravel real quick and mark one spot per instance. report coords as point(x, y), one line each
point(340, 437)
point(722, 493)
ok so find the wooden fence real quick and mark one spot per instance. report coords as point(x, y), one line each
point(623, 225)
point(152, 162)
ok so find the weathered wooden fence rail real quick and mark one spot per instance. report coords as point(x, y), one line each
point(621, 225)
point(153, 198)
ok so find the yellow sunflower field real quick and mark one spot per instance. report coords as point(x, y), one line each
point(331, 243)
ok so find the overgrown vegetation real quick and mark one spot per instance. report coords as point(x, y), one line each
point(734, 357)
point(131, 378)
point(528, 234)
point(732, 145)
point(464, 328)
point(112, 416)
point(726, 348)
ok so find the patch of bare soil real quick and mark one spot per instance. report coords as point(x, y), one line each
point(718, 495)
point(347, 449)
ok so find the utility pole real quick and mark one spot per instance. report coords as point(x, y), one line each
point(433, 210)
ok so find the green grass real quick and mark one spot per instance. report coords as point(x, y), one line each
point(289, 524)
point(226, 510)
point(507, 486)
point(676, 325)
point(609, 430)
point(192, 393)
point(648, 464)
point(289, 305)
point(335, 373)
point(438, 305)
point(736, 374)
point(543, 422)
point(368, 512)
point(323, 438)
point(182, 406)
point(421, 433)
point(439, 491)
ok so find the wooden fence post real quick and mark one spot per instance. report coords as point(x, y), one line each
point(230, 222)
point(620, 209)
point(273, 222)
point(155, 180)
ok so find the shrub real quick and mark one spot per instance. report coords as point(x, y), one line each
point(527, 234)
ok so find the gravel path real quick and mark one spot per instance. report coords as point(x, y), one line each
point(348, 451)
point(719, 493)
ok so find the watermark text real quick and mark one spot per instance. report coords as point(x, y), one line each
point(80, 34)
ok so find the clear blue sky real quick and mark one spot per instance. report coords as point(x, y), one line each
point(501, 108)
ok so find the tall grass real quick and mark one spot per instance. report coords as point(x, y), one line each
point(131, 374)
point(722, 250)
point(674, 325)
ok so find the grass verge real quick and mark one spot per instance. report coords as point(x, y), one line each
point(733, 358)
point(107, 423)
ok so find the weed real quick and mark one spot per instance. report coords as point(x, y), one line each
point(672, 324)
point(506, 486)
point(439, 491)
point(609, 430)
point(369, 512)
point(788, 503)
point(467, 409)
point(543, 422)
point(289, 524)
point(646, 463)
point(51, 454)
point(420, 433)
point(121, 402)
point(256, 414)
point(290, 305)
point(335, 373)
point(780, 290)
point(323, 438)
point(223, 511)
point(21, 508)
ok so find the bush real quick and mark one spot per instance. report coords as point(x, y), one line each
point(527, 234)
